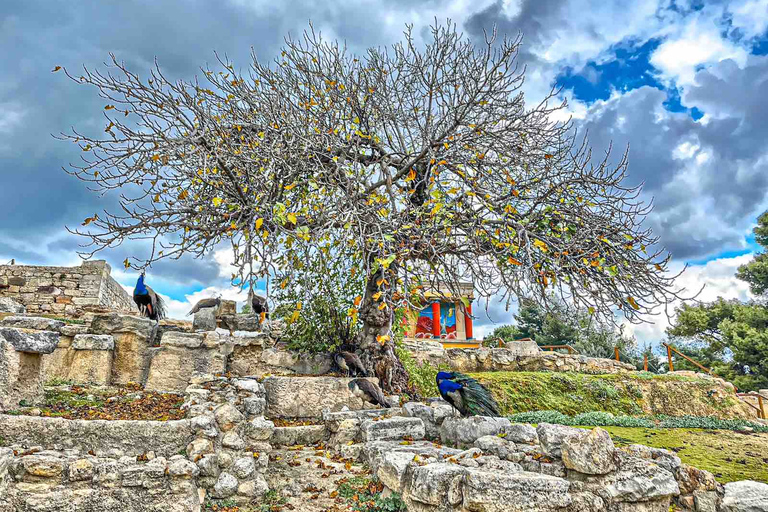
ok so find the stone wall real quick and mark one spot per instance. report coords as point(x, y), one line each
point(69, 291)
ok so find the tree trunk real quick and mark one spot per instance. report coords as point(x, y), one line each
point(379, 358)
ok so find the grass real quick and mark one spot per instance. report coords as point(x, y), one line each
point(727, 455)
point(621, 394)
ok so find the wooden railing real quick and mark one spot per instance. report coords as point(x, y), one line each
point(671, 349)
point(759, 407)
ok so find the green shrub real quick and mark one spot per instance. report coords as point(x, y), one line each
point(604, 419)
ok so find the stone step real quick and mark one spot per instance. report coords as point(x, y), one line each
point(305, 435)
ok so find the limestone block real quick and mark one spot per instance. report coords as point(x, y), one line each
point(227, 417)
point(392, 428)
point(205, 320)
point(431, 414)
point(225, 486)
point(93, 342)
point(259, 429)
point(308, 397)
point(375, 451)
point(493, 491)
point(181, 339)
point(393, 471)
point(552, 436)
point(437, 484)
point(304, 435)
point(91, 366)
point(172, 367)
point(521, 433)
point(8, 305)
point(497, 446)
point(465, 431)
point(745, 496)
point(21, 376)
point(33, 322)
point(637, 480)
point(35, 342)
point(663, 458)
point(133, 336)
point(591, 453)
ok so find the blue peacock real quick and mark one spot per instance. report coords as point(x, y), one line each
point(466, 395)
point(149, 302)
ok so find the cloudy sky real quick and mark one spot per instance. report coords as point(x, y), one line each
point(682, 83)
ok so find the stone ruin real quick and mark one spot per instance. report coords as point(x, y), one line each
point(236, 382)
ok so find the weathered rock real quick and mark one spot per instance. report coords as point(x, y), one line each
point(392, 470)
point(198, 447)
point(591, 453)
point(254, 405)
point(81, 469)
point(432, 415)
point(227, 416)
point(492, 491)
point(521, 433)
point(33, 342)
point(392, 428)
point(209, 465)
point(133, 336)
point(663, 458)
point(705, 501)
point(182, 339)
point(243, 467)
point(259, 429)
point(437, 484)
point(745, 496)
point(693, 479)
point(90, 366)
point(8, 305)
point(232, 440)
point(182, 468)
point(495, 445)
point(205, 320)
point(253, 488)
point(308, 397)
point(375, 451)
point(226, 485)
point(204, 425)
point(21, 376)
point(304, 435)
point(172, 368)
point(303, 364)
point(638, 480)
point(33, 322)
point(93, 342)
point(465, 431)
point(552, 436)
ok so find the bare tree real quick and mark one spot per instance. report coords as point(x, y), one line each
point(425, 162)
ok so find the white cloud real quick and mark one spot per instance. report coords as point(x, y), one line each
point(751, 16)
point(699, 43)
point(718, 279)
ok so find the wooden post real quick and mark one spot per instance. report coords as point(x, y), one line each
point(468, 322)
point(616, 352)
point(760, 405)
point(436, 319)
point(669, 358)
point(645, 362)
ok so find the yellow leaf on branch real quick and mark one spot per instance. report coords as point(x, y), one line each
point(633, 302)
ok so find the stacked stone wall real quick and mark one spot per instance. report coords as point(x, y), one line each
point(69, 291)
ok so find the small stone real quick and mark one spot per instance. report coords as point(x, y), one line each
point(591, 454)
point(251, 385)
point(260, 429)
point(43, 466)
point(495, 445)
point(208, 465)
point(254, 405)
point(227, 416)
point(183, 468)
point(253, 488)
point(225, 486)
point(199, 447)
point(243, 467)
point(93, 342)
point(81, 469)
point(392, 428)
point(521, 433)
point(551, 437)
point(204, 425)
point(225, 460)
point(232, 440)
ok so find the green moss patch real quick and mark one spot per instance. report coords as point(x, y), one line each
point(729, 456)
point(621, 394)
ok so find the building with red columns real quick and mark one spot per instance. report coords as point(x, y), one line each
point(444, 318)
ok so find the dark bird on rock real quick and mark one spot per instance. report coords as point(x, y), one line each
point(368, 391)
point(259, 305)
point(466, 395)
point(205, 303)
point(348, 362)
point(149, 302)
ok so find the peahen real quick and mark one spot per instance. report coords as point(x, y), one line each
point(349, 362)
point(205, 303)
point(149, 302)
point(466, 395)
point(368, 391)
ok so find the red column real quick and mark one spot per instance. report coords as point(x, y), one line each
point(436, 319)
point(468, 321)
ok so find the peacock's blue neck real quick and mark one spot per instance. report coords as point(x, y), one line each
point(448, 386)
point(140, 289)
